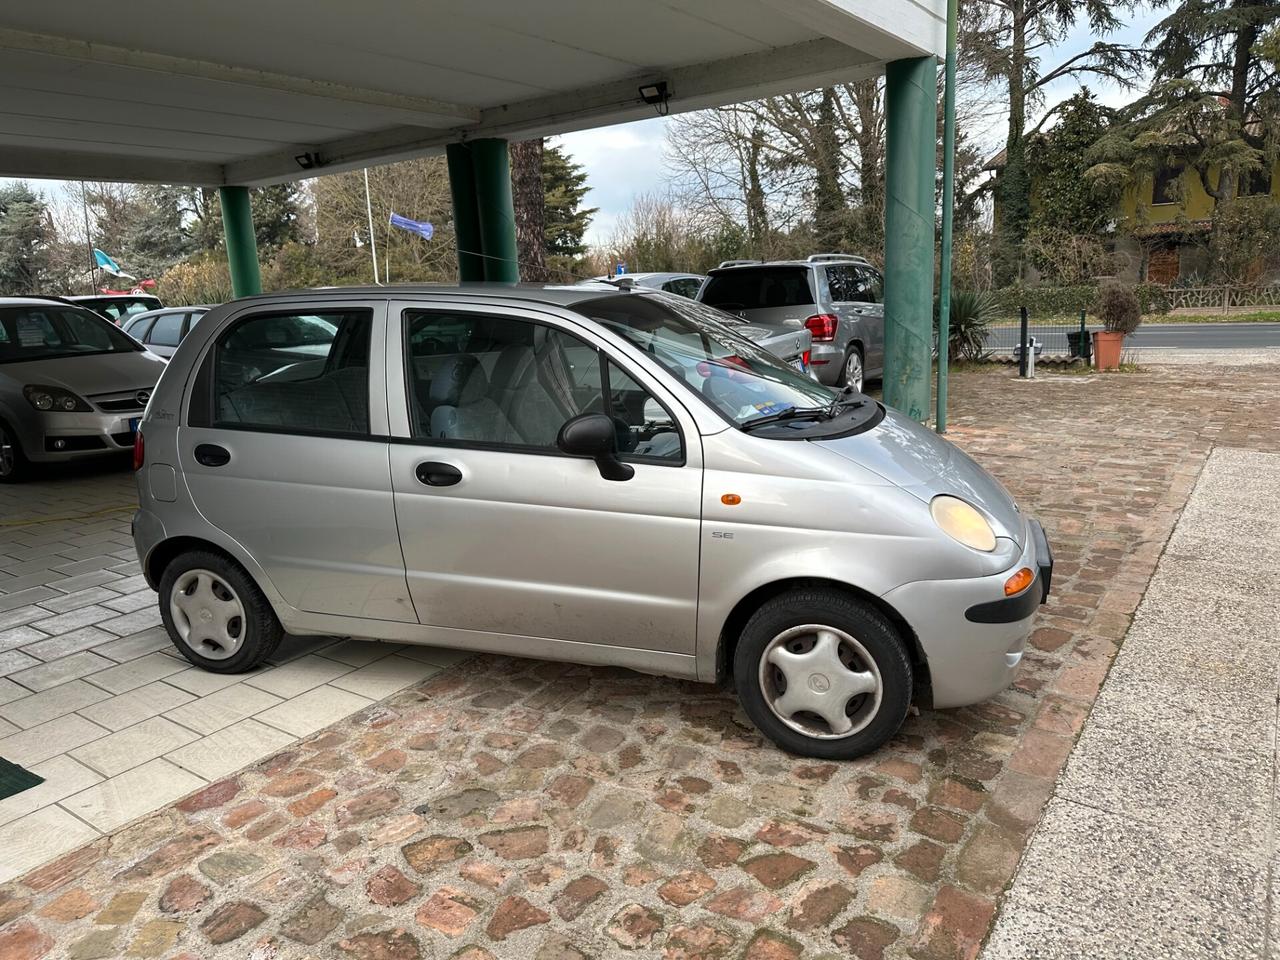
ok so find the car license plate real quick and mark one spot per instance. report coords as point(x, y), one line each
point(800, 365)
point(133, 424)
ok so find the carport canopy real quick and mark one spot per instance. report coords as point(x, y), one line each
point(245, 93)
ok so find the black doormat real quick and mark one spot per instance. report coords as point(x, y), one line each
point(13, 779)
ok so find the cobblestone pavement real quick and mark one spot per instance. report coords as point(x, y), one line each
point(509, 808)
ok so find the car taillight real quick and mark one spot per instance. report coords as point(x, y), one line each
point(139, 451)
point(806, 358)
point(822, 326)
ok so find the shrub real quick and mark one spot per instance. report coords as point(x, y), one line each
point(200, 280)
point(971, 311)
point(1067, 301)
point(1118, 307)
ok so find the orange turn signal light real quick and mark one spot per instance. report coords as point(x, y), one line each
point(731, 499)
point(1018, 582)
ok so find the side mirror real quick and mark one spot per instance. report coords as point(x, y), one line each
point(594, 435)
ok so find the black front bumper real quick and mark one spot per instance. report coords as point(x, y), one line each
point(1023, 605)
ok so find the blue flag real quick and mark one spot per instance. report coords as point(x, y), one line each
point(109, 265)
point(421, 228)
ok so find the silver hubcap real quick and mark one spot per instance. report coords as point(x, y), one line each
point(7, 456)
point(820, 681)
point(853, 370)
point(207, 614)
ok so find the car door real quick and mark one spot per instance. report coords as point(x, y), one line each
point(285, 450)
point(504, 534)
point(871, 303)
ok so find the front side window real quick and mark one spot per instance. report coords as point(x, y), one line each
point(683, 286)
point(697, 345)
point(304, 373)
point(49, 332)
point(167, 330)
point(493, 380)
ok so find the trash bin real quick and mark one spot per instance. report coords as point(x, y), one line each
point(1079, 344)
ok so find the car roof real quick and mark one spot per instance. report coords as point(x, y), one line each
point(832, 261)
point(30, 299)
point(160, 311)
point(554, 294)
point(109, 296)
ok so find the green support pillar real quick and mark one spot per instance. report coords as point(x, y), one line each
point(466, 215)
point(483, 214)
point(242, 244)
point(911, 95)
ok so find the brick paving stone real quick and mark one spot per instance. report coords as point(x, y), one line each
point(510, 807)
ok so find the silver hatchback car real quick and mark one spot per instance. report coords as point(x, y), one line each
point(583, 474)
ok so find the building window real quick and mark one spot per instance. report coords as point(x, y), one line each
point(1256, 183)
point(1164, 186)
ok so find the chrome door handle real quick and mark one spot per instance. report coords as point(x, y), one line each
point(435, 474)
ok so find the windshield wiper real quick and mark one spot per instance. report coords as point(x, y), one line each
point(848, 398)
point(791, 413)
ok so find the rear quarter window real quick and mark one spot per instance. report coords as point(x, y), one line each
point(759, 288)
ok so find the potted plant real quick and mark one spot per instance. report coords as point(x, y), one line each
point(1118, 308)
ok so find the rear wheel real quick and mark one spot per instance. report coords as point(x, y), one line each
point(215, 614)
point(854, 369)
point(14, 466)
point(823, 674)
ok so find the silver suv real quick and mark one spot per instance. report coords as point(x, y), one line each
point(838, 297)
point(583, 474)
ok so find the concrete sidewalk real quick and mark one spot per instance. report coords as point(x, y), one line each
point(1160, 839)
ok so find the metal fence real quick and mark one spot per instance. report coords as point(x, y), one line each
point(1053, 338)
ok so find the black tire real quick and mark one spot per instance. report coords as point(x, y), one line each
point(860, 620)
point(845, 379)
point(14, 465)
point(261, 628)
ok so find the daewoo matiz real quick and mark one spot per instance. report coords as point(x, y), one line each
point(594, 475)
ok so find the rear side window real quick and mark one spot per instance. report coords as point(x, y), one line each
point(167, 330)
point(683, 286)
point(759, 288)
point(852, 284)
point(289, 372)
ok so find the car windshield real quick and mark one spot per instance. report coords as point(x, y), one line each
point(117, 307)
point(45, 331)
point(758, 288)
point(692, 341)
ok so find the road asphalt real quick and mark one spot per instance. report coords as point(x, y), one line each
point(1207, 336)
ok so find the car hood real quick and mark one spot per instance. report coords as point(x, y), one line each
point(919, 461)
point(93, 374)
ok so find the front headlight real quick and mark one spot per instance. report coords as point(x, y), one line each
point(55, 399)
point(962, 521)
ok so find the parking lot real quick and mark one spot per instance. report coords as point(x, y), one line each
point(521, 808)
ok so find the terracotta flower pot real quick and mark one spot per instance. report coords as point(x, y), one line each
point(1107, 347)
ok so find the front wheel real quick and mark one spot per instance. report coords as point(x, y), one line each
point(14, 466)
point(216, 615)
point(823, 675)
point(854, 375)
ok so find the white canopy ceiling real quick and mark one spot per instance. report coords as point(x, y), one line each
point(236, 91)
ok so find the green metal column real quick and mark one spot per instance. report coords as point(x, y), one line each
point(948, 215)
point(466, 216)
point(491, 166)
point(242, 244)
point(911, 96)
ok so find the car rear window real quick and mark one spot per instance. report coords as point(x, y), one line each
point(759, 288)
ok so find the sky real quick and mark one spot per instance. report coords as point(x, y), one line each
point(626, 160)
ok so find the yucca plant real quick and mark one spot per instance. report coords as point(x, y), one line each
point(971, 313)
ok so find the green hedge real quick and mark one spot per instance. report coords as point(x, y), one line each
point(1044, 303)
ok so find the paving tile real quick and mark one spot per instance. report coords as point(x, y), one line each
point(132, 746)
point(126, 709)
point(54, 672)
point(222, 708)
point(313, 710)
point(358, 653)
point(10, 691)
point(115, 801)
point(293, 647)
point(134, 673)
point(74, 619)
point(7, 727)
point(84, 580)
point(67, 644)
point(440, 656)
point(81, 598)
point(12, 598)
point(21, 616)
point(84, 566)
point(298, 676)
point(49, 739)
point(12, 661)
point(230, 749)
point(39, 837)
point(132, 622)
point(16, 637)
point(129, 602)
point(198, 681)
point(52, 703)
point(129, 584)
point(384, 677)
point(62, 777)
point(136, 645)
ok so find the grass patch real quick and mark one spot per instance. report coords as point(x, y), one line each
point(1261, 316)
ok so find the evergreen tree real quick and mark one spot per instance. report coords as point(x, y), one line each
point(1065, 199)
point(564, 183)
point(25, 236)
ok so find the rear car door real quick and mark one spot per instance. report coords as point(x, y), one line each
point(870, 301)
point(504, 534)
point(285, 449)
point(165, 333)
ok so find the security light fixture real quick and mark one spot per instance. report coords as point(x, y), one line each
point(308, 161)
point(656, 95)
